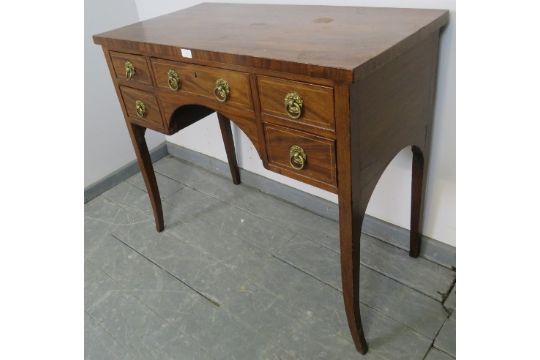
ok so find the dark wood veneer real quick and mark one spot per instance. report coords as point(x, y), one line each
point(367, 76)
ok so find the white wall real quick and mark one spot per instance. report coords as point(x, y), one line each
point(107, 146)
point(391, 199)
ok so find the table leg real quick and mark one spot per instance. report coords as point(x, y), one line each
point(417, 193)
point(351, 216)
point(136, 133)
point(226, 133)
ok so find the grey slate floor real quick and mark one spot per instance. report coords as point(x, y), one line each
point(238, 274)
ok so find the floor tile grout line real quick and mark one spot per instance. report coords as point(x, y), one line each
point(139, 300)
point(277, 296)
point(444, 352)
point(305, 272)
point(315, 242)
point(258, 216)
point(209, 254)
point(282, 200)
point(174, 235)
point(146, 191)
point(272, 255)
point(402, 283)
point(382, 314)
point(446, 298)
point(370, 268)
point(451, 268)
point(232, 204)
point(107, 331)
point(204, 251)
point(185, 162)
point(125, 345)
point(263, 218)
point(247, 211)
point(365, 304)
point(246, 324)
point(120, 289)
point(224, 201)
point(232, 314)
point(435, 338)
point(250, 327)
point(212, 301)
point(386, 275)
point(427, 352)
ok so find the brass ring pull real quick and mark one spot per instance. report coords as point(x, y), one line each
point(140, 108)
point(130, 70)
point(297, 157)
point(294, 105)
point(173, 80)
point(221, 90)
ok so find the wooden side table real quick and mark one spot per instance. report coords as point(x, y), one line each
point(328, 96)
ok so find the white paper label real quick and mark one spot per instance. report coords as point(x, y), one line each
point(186, 53)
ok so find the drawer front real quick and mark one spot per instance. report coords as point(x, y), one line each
point(286, 147)
point(141, 106)
point(201, 80)
point(131, 68)
point(280, 98)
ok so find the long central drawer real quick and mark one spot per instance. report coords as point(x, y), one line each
point(202, 81)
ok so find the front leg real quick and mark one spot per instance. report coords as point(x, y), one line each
point(136, 133)
point(350, 218)
point(350, 226)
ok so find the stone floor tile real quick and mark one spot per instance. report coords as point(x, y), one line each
point(378, 291)
point(423, 275)
point(166, 185)
point(435, 354)
point(198, 178)
point(450, 302)
point(446, 340)
point(100, 345)
point(97, 284)
point(230, 278)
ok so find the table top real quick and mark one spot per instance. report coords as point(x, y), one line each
point(348, 39)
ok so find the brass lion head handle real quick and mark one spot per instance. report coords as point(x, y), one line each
point(297, 157)
point(130, 70)
point(221, 90)
point(294, 105)
point(173, 80)
point(140, 108)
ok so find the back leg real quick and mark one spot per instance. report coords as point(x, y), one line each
point(417, 194)
point(226, 133)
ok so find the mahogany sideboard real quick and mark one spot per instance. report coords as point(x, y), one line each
point(328, 95)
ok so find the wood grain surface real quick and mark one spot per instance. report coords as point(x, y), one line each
point(334, 42)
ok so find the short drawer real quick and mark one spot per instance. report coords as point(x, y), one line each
point(131, 68)
point(223, 86)
point(301, 155)
point(141, 106)
point(298, 102)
